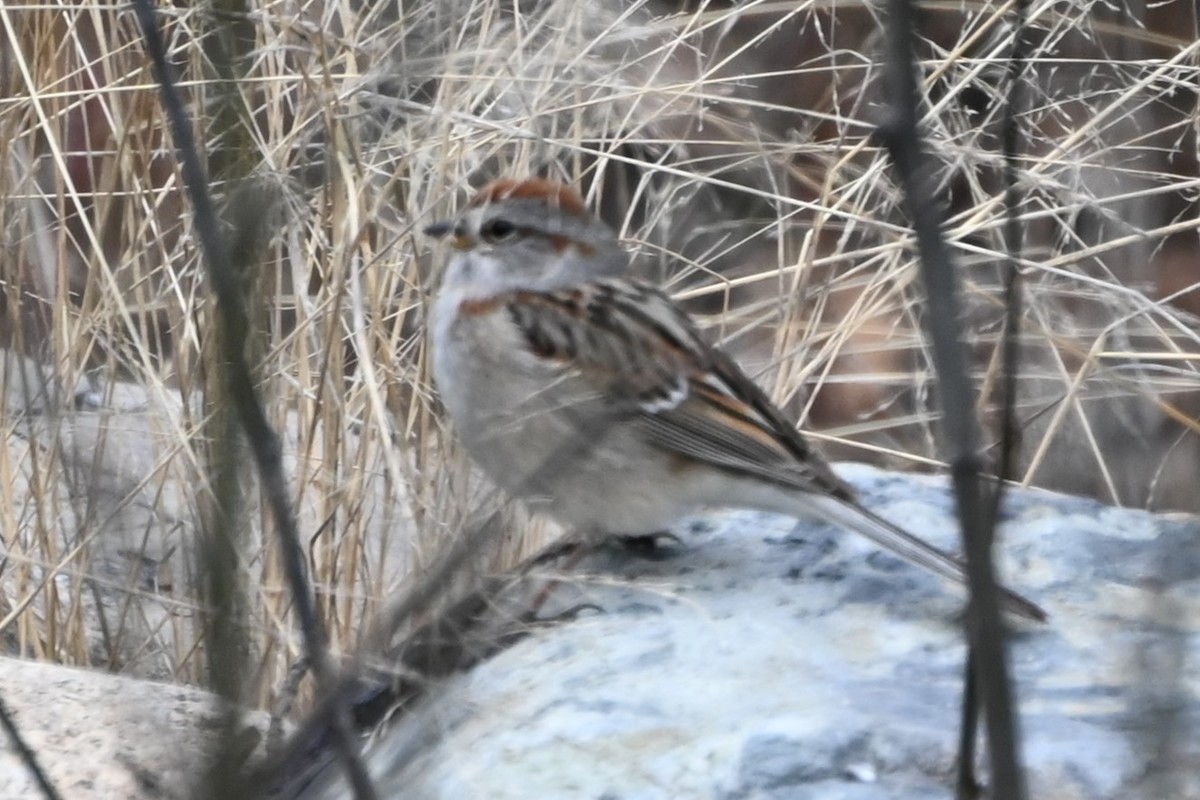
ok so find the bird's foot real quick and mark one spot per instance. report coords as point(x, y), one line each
point(651, 546)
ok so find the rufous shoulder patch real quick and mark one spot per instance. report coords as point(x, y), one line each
point(481, 306)
point(555, 194)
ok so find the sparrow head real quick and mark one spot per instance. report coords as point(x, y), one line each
point(529, 234)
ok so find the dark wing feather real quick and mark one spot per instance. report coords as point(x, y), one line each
point(645, 356)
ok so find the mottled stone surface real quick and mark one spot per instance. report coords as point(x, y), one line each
point(103, 736)
point(770, 660)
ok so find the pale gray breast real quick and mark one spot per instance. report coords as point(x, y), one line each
point(511, 410)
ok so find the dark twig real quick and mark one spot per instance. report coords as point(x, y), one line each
point(967, 784)
point(304, 744)
point(1010, 436)
point(985, 629)
point(263, 442)
point(27, 755)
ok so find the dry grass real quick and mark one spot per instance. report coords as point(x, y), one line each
point(729, 145)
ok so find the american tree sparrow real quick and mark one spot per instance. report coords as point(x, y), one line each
point(594, 397)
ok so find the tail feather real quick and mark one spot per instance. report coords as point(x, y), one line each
point(918, 551)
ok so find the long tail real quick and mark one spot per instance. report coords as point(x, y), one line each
point(918, 551)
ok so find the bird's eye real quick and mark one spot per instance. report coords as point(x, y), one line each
point(497, 230)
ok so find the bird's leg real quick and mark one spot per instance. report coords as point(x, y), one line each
point(656, 546)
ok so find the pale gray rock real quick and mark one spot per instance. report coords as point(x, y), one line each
point(770, 660)
point(103, 736)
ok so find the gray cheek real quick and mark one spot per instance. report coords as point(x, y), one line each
point(461, 269)
point(471, 267)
